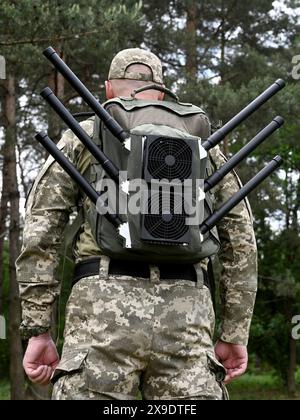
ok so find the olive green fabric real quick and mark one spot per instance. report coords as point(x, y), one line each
point(140, 119)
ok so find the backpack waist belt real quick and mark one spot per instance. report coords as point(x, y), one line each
point(90, 267)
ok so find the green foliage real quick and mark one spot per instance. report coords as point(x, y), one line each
point(269, 337)
point(255, 386)
point(238, 48)
point(4, 390)
point(87, 33)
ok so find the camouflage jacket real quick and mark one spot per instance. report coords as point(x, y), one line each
point(53, 198)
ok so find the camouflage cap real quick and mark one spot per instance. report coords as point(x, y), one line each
point(125, 58)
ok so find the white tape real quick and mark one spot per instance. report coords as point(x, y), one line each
point(2, 328)
point(2, 67)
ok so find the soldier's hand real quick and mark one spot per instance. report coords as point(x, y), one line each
point(234, 358)
point(41, 359)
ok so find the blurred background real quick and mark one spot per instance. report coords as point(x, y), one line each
point(217, 54)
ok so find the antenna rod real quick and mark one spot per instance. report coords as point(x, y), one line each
point(112, 125)
point(71, 122)
point(61, 159)
point(220, 134)
point(214, 219)
point(217, 176)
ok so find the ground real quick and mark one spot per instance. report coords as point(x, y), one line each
point(4, 390)
point(249, 387)
point(260, 387)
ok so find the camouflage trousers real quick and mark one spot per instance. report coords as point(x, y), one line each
point(124, 335)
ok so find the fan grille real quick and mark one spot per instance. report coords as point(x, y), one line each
point(162, 221)
point(170, 159)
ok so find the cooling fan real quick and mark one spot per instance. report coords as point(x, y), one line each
point(168, 158)
point(165, 220)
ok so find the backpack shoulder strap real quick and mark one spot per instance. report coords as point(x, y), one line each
point(131, 104)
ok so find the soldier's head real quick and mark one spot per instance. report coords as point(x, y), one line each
point(131, 69)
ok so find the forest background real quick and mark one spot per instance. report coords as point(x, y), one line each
point(217, 54)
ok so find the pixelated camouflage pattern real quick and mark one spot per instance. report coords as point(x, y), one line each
point(130, 56)
point(238, 257)
point(27, 333)
point(107, 355)
point(53, 198)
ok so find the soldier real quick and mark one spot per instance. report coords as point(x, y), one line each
point(128, 327)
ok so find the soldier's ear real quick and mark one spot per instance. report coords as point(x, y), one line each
point(109, 90)
point(161, 96)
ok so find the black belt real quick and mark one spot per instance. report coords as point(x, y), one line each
point(90, 267)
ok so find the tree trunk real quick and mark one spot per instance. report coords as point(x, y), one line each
point(3, 227)
point(225, 143)
point(16, 351)
point(3, 217)
point(191, 43)
point(223, 42)
point(292, 368)
point(24, 184)
point(57, 84)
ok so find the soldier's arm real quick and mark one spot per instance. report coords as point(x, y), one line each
point(238, 257)
point(52, 199)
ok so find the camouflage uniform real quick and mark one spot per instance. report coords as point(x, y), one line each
point(123, 333)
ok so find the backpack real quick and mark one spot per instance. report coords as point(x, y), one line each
point(165, 146)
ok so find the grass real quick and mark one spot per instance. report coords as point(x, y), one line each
point(260, 387)
point(249, 387)
point(4, 390)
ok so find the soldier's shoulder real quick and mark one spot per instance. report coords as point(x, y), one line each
point(217, 157)
point(71, 141)
point(88, 125)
